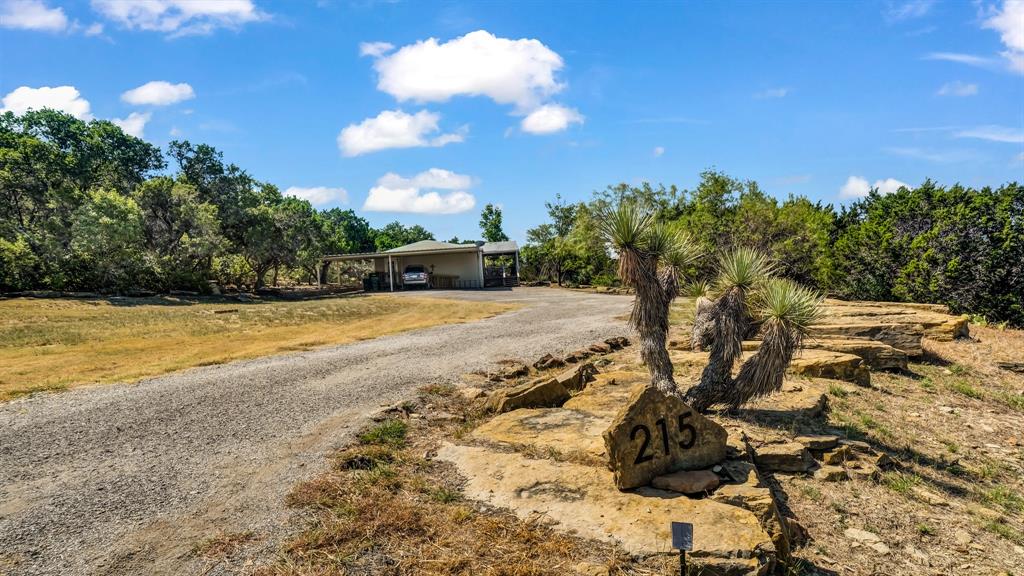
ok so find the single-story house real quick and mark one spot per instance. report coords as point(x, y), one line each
point(477, 265)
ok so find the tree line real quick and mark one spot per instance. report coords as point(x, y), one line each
point(959, 246)
point(86, 207)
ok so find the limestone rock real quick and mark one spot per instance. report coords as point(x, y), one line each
point(657, 433)
point(472, 393)
point(584, 500)
point(548, 361)
point(788, 457)
point(578, 356)
point(1017, 367)
point(608, 393)
point(687, 481)
point(617, 342)
point(818, 441)
point(831, 365)
point(542, 392)
point(510, 370)
point(838, 456)
point(547, 429)
point(798, 398)
point(947, 328)
point(831, 474)
point(876, 355)
point(746, 489)
point(905, 337)
point(577, 377)
point(928, 497)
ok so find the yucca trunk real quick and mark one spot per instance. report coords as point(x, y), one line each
point(703, 325)
point(730, 324)
point(650, 317)
point(762, 373)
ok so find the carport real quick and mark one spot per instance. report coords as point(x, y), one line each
point(457, 266)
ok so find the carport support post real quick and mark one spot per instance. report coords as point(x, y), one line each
point(391, 275)
point(517, 264)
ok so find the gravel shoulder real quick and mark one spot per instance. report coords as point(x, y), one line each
point(127, 479)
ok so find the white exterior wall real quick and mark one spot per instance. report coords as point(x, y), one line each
point(465, 265)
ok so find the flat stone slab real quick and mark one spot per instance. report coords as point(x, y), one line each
point(798, 398)
point(905, 337)
point(608, 393)
point(832, 365)
point(876, 355)
point(558, 429)
point(583, 499)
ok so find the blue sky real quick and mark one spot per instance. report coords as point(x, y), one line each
point(424, 112)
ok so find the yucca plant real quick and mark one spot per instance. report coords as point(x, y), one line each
point(721, 325)
point(786, 311)
point(652, 256)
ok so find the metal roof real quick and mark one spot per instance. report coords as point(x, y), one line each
point(431, 246)
point(506, 247)
point(420, 248)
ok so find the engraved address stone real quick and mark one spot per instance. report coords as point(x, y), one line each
point(656, 433)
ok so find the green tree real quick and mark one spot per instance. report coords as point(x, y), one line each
point(107, 239)
point(395, 234)
point(490, 224)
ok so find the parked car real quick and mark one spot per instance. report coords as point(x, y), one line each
point(416, 275)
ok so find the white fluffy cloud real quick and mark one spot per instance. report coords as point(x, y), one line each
point(550, 118)
point(419, 195)
point(658, 151)
point(519, 72)
point(1009, 22)
point(64, 98)
point(994, 134)
point(158, 93)
point(957, 88)
point(180, 17)
point(32, 15)
point(857, 187)
point(134, 124)
point(319, 195)
point(394, 129)
point(375, 49)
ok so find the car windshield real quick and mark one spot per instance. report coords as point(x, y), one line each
point(415, 269)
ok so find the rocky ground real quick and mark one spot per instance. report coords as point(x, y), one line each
point(895, 447)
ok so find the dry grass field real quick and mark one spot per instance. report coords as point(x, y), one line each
point(52, 344)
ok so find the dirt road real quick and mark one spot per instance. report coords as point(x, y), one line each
point(126, 479)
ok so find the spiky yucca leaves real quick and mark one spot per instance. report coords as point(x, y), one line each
point(787, 311)
point(726, 322)
point(650, 256)
point(743, 268)
point(676, 250)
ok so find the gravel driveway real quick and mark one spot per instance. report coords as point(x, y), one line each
point(127, 478)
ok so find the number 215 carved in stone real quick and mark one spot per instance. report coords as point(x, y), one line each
point(656, 433)
point(686, 431)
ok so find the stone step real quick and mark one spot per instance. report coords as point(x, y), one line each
point(549, 430)
point(832, 365)
point(905, 337)
point(799, 398)
point(876, 355)
point(727, 539)
point(810, 363)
